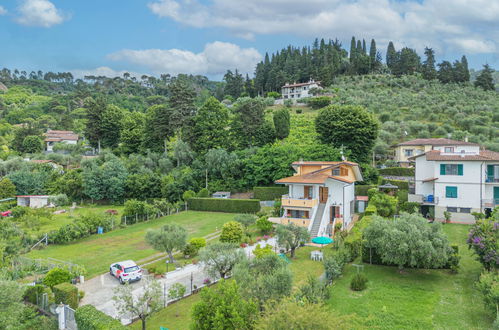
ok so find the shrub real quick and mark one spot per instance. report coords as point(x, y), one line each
point(59, 200)
point(370, 210)
point(269, 193)
point(488, 284)
point(66, 293)
point(353, 242)
point(198, 242)
point(299, 110)
point(482, 238)
point(397, 171)
point(260, 252)
point(135, 207)
point(203, 193)
point(188, 194)
point(34, 293)
point(90, 318)
point(361, 190)
point(232, 232)
point(245, 219)
point(225, 205)
point(20, 211)
point(447, 216)
point(319, 102)
point(83, 227)
point(371, 192)
point(409, 207)
point(264, 225)
point(189, 251)
point(56, 276)
point(333, 267)
point(386, 205)
point(454, 258)
point(359, 282)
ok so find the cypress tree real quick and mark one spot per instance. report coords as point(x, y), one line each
point(466, 71)
point(372, 56)
point(391, 55)
point(353, 50)
point(484, 79)
point(364, 48)
point(429, 71)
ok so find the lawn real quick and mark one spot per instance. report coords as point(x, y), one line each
point(97, 252)
point(419, 299)
point(303, 267)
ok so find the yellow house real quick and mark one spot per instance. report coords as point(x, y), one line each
point(321, 194)
point(405, 150)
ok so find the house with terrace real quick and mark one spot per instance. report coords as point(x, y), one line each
point(321, 195)
point(457, 178)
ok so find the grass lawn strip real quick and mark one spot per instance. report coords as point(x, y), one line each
point(97, 252)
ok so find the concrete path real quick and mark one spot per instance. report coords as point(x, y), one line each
point(99, 290)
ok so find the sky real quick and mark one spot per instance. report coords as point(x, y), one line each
point(110, 37)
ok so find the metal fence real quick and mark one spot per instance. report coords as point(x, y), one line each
point(69, 318)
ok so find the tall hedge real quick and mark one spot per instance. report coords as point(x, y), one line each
point(66, 293)
point(90, 318)
point(269, 193)
point(397, 171)
point(403, 185)
point(361, 190)
point(224, 205)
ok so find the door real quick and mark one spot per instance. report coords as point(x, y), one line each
point(334, 212)
point(323, 192)
point(496, 196)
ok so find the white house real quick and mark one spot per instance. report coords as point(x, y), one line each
point(321, 194)
point(33, 201)
point(298, 91)
point(460, 179)
point(52, 137)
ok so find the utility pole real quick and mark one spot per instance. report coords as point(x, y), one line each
point(206, 178)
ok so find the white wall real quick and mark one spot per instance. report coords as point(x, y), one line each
point(458, 149)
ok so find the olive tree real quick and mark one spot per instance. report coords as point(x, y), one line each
point(168, 238)
point(220, 258)
point(291, 236)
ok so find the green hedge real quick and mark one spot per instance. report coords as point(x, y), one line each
point(33, 294)
point(361, 190)
point(224, 205)
point(269, 193)
point(90, 318)
point(66, 293)
point(403, 185)
point(370, 210)
point(353, 242)
point(397, 171)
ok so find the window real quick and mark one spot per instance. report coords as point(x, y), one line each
point(451, 169)
point(336, 171)
point(298, 214)
point(449, 149)
point(408, 152)
point(452, 209)
point(450, 192)
point(492, 173)
point(465, 210)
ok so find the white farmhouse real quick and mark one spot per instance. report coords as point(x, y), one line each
point(321, 195)
point(52, 137)
point(298, 91)
point(459, 179)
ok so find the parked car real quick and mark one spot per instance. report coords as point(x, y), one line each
point(126, 271)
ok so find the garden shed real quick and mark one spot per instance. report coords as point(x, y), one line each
point(33, 201)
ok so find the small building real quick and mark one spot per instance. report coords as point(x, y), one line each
point(33, 201)
point(221, 194)
point(52, 137)
point(298, 91)
point(405, 150)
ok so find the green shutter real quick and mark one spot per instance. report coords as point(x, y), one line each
point(450, 192)
point(442, 169)
point(460, 169)
point(490, 173)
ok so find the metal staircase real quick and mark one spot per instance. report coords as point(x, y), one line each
point(317, 220)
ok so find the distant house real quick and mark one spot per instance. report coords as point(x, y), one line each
point(33, 201)
point(221, 194)
point(405, 150)
point(52, 137)
point(298, 91)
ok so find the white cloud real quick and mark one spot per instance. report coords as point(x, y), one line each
point(3, 11)
point(102, 71)
point(215, 59)
point(453, 25)
point(41, 13)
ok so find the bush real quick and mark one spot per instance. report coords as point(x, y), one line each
point(269, 193)
point(409, 207)
point(370, 210)
point(66, 293)
point(353, 242)
point(386, 205)
point(90, 318)
point(245, 219)
point(20, 211)
point(82, 227)
point(261, 252)
point(56, 276)
point(454, 258)
point(225, 205)
point(203, 193)
point(319, 102)
point(359, 282)
point(299, 110)
point(333, 267)
point(198, 242)
point(33, 294)
point(361, 190)
point(135, 207)
point(264, 225)
point(397, 171)
point(482, 238)
point(59, 200)
point(232, 232)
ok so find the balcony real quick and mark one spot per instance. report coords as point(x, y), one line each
point(491, 180)
point(423, 199)
point(300, 202)
point(490, 202)
point(285, 221)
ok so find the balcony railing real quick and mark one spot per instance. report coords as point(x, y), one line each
point(285, 221)
point(490, 202)
point(423, 199)
point(491, 180)
point(303, 202)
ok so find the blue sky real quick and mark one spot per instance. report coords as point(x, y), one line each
point(207, 37)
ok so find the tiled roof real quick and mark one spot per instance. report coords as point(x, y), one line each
point(56, 136)
point(302, 84)
point(436, 142)
point(301, 162)
point(319, 176)
point(484, 155)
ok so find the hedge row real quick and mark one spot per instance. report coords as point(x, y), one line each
point(353, 242)
point(66, 293)
point(397, 171)
point(361, 190)
point(82, 227)
point(224, 205)
point(403, 185)
point(90, 318)
point(269, 193)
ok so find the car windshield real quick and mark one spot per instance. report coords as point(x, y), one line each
point(131, 269)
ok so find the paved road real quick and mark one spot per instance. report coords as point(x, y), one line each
point(99, 290)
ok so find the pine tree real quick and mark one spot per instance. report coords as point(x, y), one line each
point(484, 79)
point(428, 69)
point(181, 101)
point(391, 55)
point(445, 72)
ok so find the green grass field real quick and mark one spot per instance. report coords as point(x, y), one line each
point(418, 299)
point(97, 252)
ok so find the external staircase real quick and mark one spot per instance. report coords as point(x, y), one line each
point(316, 225)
